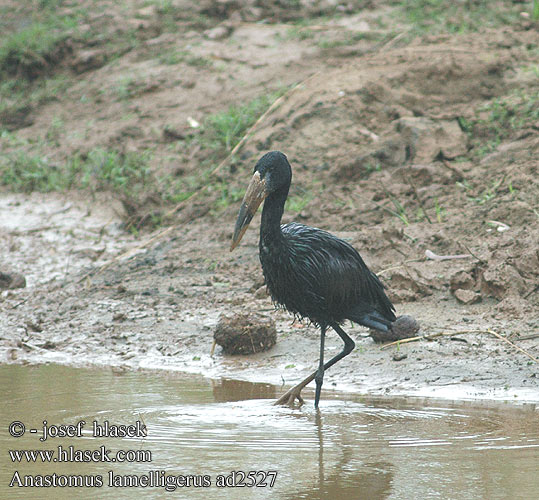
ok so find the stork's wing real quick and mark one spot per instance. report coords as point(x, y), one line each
point(335, 271)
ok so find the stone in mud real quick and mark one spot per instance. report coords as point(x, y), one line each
point(427, 175)
point(404, 327)
point(11, 281)
point(261, 292)
point(467, 296)
point(461, 280)
point(219, 32)
point(245, 333)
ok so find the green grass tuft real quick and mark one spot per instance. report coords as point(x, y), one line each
point(26, 173)
point(100, 170)
point(440, 16)
point(222, 131)
point(499, 119)
point(297, 202)
point(29, 51)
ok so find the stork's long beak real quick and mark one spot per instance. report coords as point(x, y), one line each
point(255, 194)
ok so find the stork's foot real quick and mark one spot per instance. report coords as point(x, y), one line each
point(289, 398)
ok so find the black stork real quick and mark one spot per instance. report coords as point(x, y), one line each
point(308, 271)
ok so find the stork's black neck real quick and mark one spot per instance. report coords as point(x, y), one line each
point(270, 227)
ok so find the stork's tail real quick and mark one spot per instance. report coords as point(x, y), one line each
point(374, 319)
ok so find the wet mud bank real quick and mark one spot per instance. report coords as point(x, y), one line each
point(130, 306)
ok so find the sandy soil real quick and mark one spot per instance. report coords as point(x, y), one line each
point(372, 127)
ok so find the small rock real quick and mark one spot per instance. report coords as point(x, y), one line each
point(467, 296)
point(399, 356)
point(11, 281)
point(261, 293)
point(218, 33)
point(161, 39)
point(33, 326)
point(427, 138)
point(147, 12)
point(493, 283)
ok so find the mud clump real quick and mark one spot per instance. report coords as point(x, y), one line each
point(404, 327)
point(245, 334)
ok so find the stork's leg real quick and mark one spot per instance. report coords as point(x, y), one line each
point(319, 378)
point(295, 393)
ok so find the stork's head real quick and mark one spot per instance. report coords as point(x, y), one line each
point(272, 173)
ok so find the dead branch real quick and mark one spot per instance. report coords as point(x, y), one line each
point(460, 332)
point(402, 264)
point(523, 351)
point(432, 256)
point(528, 337)
point(428, 337)
point(471, 253)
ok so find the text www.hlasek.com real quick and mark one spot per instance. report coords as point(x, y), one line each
point(151, 479)
point(70, 454)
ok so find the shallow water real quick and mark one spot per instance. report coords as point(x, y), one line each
point(356, 447)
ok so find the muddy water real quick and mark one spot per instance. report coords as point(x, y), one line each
point(356, 448)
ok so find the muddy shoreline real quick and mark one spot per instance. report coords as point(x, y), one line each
point(150, 311)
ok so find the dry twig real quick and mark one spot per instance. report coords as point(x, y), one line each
point(460, 332)
point(523, 351)
point(402, 264)
point(528, 337)
point(432, 256)
point(470, 252)
point(428, 337)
